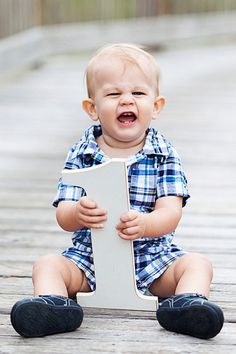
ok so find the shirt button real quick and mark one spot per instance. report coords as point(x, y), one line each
point(87, 159)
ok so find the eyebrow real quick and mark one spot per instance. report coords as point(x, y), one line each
point(108, 87)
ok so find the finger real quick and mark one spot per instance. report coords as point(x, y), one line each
point(131, 215)
point(95, 226)
point(92, 220)
point(132, 230)
point(89, 207)
point(92, 212)
point(126, 225)
point(87, 203)
point(128, 237)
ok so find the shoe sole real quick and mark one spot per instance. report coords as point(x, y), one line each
point(199, 321)
point(36, 319)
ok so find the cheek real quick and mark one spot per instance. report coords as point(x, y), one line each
point(107, 107)
point(147, 106)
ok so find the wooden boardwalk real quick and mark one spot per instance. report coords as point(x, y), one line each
point(41, 117)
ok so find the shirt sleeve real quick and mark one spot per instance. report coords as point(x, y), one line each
point(68, 192)
point(171, 178)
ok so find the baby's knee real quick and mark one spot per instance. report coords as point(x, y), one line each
point(44, 262)
point(200, 261)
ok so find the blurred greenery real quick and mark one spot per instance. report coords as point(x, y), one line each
point(18, 15)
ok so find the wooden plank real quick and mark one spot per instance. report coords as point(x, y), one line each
point(203, 226)
point(42, 233)
point(29, 252)
point(127, 337)
point(22, 286)
point(17, 267)
point(202, 245)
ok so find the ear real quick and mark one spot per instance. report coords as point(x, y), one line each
point(159, 104)
point(89, 107)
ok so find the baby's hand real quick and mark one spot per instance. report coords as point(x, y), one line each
point(88, 214)
point(132, 225)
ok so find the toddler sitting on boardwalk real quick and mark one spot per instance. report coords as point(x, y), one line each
point(123, 95)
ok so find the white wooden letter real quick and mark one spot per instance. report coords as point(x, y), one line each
point(113, 257)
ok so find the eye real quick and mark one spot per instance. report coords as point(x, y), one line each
point(113, 94)
point(138, 93)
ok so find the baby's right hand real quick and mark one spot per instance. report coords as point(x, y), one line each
point(88, 214)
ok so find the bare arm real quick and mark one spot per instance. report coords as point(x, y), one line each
point(72, 216)
point(162, 220)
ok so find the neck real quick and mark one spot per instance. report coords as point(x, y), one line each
point(119, 149)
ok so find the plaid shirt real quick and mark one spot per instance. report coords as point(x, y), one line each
point(154, 172)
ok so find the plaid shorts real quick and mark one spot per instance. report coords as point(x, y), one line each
point(151, 260)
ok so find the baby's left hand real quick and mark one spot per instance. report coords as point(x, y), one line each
point(132, 225)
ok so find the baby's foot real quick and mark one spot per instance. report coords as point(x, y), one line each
point(190, 314)
point(44, 315)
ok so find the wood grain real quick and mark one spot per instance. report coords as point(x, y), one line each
point(41, 117)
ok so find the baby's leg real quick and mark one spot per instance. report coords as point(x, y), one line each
point(185, 309)
point(191, 273)
point(56, 280)
point(58, 275)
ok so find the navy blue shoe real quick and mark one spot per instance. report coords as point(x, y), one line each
point(190, 314)
point(44, 315)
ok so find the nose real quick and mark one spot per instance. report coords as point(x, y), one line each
point(126, 99)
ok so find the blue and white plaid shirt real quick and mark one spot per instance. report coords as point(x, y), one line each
point(154, 172)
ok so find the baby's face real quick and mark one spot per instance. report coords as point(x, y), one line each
point(125, 99)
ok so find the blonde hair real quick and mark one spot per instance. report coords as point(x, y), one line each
point(129, 53)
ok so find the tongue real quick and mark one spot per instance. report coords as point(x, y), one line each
point(126, 118)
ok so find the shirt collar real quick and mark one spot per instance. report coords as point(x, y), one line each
point(89, 146)
point(155, 144)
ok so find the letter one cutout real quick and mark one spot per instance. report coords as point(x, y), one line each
point(116, 288)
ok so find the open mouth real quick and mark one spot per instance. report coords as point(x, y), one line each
point(127, 118)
